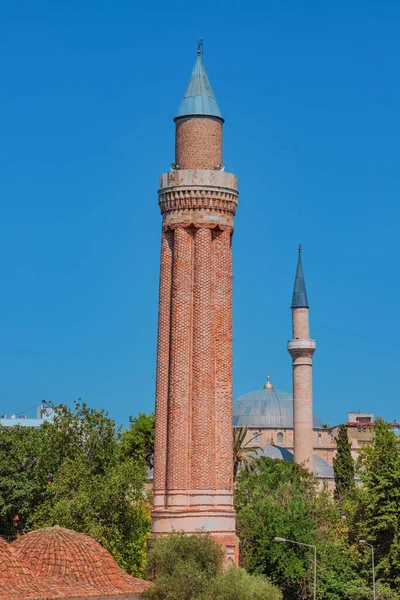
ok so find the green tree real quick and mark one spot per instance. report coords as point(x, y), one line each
point(20, 491)
point(110, 508)
point(191, 568)
point(377, 514)
point(139, 439)
point(281, 499)
point(80, 433)
point(72, 472)
point(243, 453)
point(182, 566)
point(90, 487)
point(276, 500)
point(338, 576)
point(343, 466)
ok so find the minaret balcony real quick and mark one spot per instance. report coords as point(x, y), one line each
point(302, 344)
point(198, 197)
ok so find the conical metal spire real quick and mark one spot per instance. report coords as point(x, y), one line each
point(199, 98)
point(299, 299)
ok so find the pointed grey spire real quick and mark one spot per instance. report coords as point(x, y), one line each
point(199, 98)
point(299, 299)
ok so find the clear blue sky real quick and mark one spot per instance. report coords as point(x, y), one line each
point(311, 97)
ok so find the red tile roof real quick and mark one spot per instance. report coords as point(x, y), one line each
point(59, 563)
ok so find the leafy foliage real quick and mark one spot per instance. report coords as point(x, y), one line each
point(377, 513)
point(243, 453)
point(191, 568)
point(82, 472)
point(19, 490)
point(139, 439)
point(109, 508)
point(237, 584)
point(343, 466)
point(276, 500)
point(338, 574)
point(71, 472)
point(182, 566)
point(280, 499)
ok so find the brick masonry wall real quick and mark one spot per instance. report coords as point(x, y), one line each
point(180, 357)
point(164, 321)
point(194, 367)
point(301, 323)
point(198, 143)
point(231, 546)
point(222, 302)
point(203, 446)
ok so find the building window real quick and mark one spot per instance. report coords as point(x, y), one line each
point(279, 438)
point(256, 438)
point(319, 439)
point(363, 419)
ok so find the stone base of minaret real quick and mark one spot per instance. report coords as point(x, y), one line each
point(210, 512)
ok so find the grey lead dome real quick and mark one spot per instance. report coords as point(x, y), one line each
point(266, 408)
point(321, 467)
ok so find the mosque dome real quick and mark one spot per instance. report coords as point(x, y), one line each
point(55, 552)
point(321, 468)
point(266, 408)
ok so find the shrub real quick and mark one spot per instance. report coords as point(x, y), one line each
point(190, 568)
point(236, 584)
point(185, 583)
point(384, 592)
point(182, 566)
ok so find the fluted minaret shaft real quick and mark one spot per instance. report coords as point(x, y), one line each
point(193, 471)
point(301, 349)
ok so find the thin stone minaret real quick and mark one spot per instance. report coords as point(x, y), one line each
point(193, 472)
point(301, 349)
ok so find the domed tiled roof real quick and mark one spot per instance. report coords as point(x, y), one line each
point(322, 469)
point(13, 570)
point(266, 408)
point(55, 552)
point(18, 582)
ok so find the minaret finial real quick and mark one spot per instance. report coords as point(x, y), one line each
point(268, 385)
point(300, 248)
point(200, 47)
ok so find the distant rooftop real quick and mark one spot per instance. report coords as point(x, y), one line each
point(42, 415)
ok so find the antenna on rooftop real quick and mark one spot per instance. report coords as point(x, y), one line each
point(200, 47)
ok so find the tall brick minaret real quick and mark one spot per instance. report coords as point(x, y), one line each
point(302, 348)
point(193, 473)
